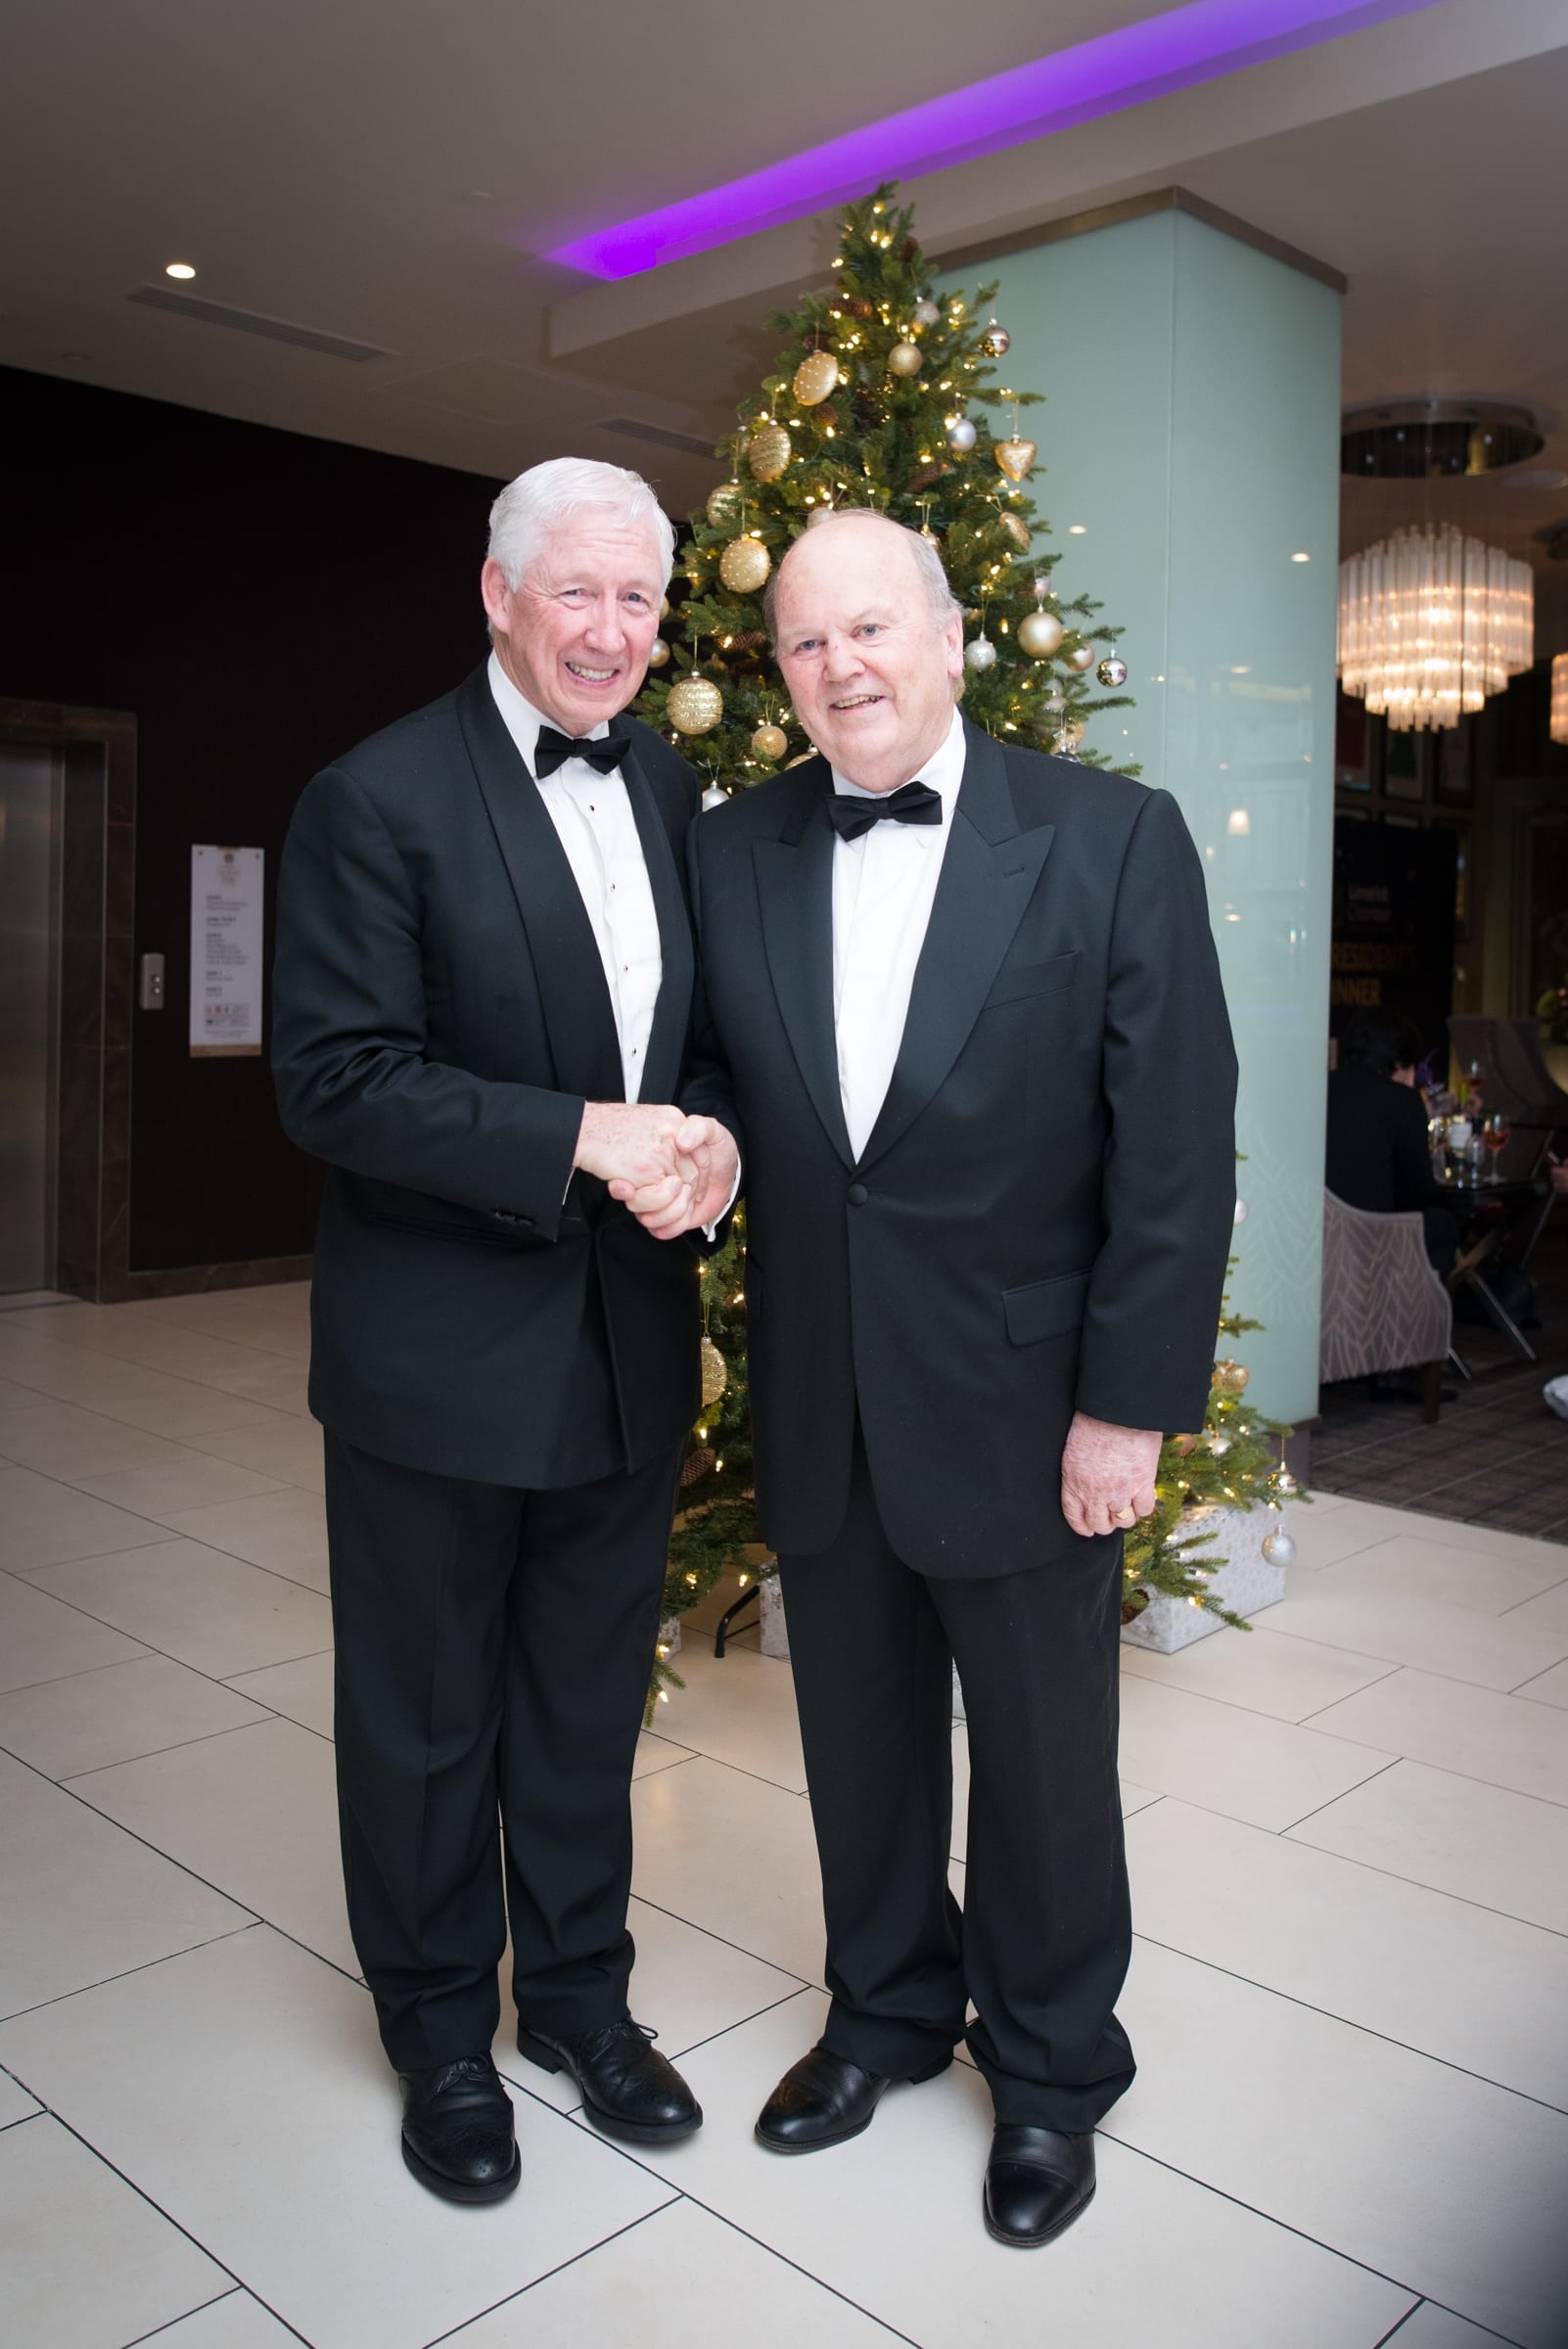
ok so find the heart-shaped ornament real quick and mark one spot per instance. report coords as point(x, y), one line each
point(1015, 457)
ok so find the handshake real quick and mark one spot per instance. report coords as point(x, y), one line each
point(676, 1174)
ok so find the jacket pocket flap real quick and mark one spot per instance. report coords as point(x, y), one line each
point(1046, 978)
point(1046, 1309)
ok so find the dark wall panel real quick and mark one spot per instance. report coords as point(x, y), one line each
point(259, 602)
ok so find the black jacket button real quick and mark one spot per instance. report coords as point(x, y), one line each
point(858, 1194)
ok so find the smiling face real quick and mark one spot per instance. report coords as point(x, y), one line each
point(575, 634)
point(869, 668)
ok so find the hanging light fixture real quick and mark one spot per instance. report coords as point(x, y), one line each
point(1560, 696)
point(1430, 622)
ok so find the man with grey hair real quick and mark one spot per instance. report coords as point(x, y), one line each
point(483, 987)
point(966, 1003)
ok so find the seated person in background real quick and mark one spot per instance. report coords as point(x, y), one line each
point(1378, 1156)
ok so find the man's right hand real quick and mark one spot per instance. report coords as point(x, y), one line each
point(633, 1142)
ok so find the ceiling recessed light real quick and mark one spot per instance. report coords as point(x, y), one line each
point(1077, 529)
point(1301, 558)
point(178, 269)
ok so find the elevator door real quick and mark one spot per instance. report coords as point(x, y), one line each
point(30, 962)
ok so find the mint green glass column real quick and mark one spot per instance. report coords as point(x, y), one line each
point(1188, 470)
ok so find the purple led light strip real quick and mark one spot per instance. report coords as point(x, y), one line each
point(1192, 44)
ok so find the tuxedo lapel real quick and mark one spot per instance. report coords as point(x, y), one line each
point(667, 1041)
point(988, 874)
point(565, 953)
point(795, 895)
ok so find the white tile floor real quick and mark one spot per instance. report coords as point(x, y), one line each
point(1348, 1842)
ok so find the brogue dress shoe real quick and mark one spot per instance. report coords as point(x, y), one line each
point(1036, 2182)
point(824, 2099)
point(458, 2135)
point(629, 2089)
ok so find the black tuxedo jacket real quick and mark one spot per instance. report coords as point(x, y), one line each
point(1039, 1220)
point(439, 1018)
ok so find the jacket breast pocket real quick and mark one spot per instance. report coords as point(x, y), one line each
point(1019, 980)
point(1046, 1309)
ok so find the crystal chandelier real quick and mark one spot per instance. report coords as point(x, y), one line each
point(1559, 698)
point(1430, 622)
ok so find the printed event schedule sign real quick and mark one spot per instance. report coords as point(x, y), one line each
point(225, 952)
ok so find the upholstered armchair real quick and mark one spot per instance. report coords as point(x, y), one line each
point(1384, 1307)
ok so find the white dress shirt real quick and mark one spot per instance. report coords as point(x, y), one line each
point(883, 883)
point(596, 827)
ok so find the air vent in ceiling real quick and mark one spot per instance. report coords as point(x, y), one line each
point(631, 430)
point(250, 322)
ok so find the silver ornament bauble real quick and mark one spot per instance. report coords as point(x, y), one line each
point(1079, 659)
point(1068, 740)
point(658, 653)
point(995, 342)
point(1039, 633)
point(1053, 703)
point(1240, 1216)
point(926, 313)
point(979, 653)
point(1285, 1484)
point(1218, 1445)
point(961, 436)
point(712, 797)
point(905, 359)
point(1112, 670)
point(1279, 1549)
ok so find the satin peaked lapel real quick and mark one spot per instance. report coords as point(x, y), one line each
point(795, 891)
point(987, 877)
point(565, 953)
point(667, 1041)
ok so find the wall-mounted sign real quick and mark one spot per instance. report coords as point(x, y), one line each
point(225, 952)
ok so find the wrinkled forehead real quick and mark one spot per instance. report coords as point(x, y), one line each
point(845, 570)
point(597, 543)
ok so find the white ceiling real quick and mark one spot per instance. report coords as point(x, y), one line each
point(391, 173)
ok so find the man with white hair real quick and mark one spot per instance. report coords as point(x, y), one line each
point(483, 991)
point(966, 1002)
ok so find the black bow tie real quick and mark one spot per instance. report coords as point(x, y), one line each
point(915, 804)
point(554, 749)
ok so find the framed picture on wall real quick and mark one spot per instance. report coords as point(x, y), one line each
point(1403, 765)
point(1352, 739)
point(1462, 876)
point(1456, 765)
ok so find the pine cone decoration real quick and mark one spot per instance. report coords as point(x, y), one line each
point(856, 305)
point(825, 418)
point(909, 250)
point(750, 640)
point(868, 409)
point(927, 474)
point(698, 1464)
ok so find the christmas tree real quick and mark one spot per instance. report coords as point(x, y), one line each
point(879, 398)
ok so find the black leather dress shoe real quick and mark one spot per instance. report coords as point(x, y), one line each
point(824, 2099)
point(458, 2137)
point(1036, 2182)
point(629, 2089)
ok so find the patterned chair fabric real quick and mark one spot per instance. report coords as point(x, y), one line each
point(1384, 1307)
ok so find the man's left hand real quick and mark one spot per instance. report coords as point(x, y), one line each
point(673, 1206)
point(1107, 1475)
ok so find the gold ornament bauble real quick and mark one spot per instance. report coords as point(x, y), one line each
point(716, 1374)
point(1112, 672)
point(995, 342)
point(905, 359)
point(724, 505)
point(695, 706)
point(815, 377)
point(768, 451)
point(658, 653)
point(1039, 635)
point(1230, 1378)
point(1018, 531)
point(1079, 659)
point(1014, 456)
point(744, 564)
point(770, 743)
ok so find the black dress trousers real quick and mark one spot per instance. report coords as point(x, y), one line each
point(494, 1648)
point(1042, 1943)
